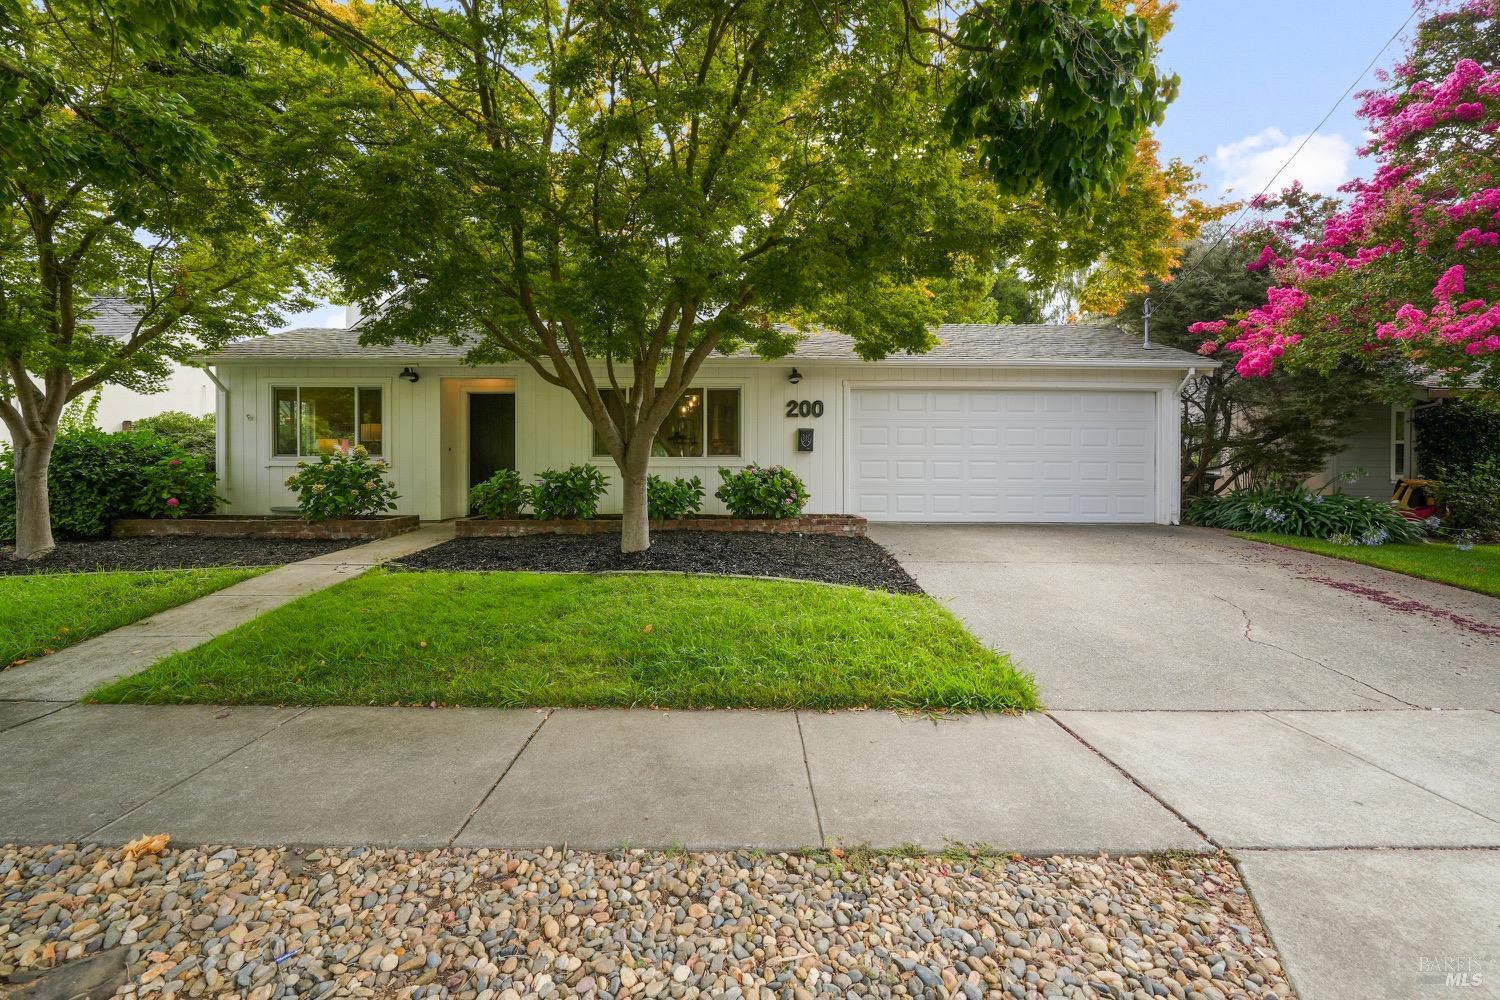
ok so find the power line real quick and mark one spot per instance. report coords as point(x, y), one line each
point(1300, 146)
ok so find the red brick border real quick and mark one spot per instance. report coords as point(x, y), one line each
point(268, 526)
point(849, 525)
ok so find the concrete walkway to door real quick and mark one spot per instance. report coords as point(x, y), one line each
point(1335, 727)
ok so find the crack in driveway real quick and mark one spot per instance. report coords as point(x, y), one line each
point(1308, 659)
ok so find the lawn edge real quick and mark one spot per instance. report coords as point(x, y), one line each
point(1341, 557)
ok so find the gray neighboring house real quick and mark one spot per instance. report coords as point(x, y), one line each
point(1381, 446)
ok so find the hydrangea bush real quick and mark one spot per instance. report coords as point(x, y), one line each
point(762, 491)
point(343, 484)
point(1404, 273)
point(569, 494)
point(1289, 509)
point(179, 486)
point(501, 495)
point(669, 499)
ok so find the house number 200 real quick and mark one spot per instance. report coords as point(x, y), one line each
point(804, 407)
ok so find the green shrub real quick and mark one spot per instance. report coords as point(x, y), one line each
point(1291, 510)
point(669, 499)
point(1455, 437)
point(1471, 497)
point(189, 434)
point(569, 495)
point(177, 487)
point(94, 478)
point(762, 491)
point(342, 484)
point(501, 495)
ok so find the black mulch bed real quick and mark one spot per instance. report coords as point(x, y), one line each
point(171, 552)
point(858, 562)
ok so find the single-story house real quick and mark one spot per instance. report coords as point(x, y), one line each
point(1381, 446)
point(1037, 423)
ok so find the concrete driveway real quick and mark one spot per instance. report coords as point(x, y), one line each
point(1155, 617)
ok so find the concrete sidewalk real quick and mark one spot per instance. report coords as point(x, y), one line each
point(74, 672)
point(1328, 811)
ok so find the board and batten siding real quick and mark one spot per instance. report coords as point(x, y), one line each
point(1365, 455)
point(426, 443)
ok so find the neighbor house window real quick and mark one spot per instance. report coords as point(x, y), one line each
point(705, 422)
point(1400, 450)
point(312, 419)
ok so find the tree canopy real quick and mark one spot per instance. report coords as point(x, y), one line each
point(1407, 271)
point(129, 169)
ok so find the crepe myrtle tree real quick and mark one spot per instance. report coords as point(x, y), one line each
point(613, 192)
point(1407, 274)
point(127, 147)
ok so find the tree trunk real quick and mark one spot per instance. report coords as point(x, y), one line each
point(33, 505)
point(635, 522)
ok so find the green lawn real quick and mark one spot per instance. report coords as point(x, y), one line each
point(43, 612)
point(1477, 569)
point(529, 639)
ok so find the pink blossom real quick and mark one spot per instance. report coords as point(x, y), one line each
point(1208, 347)
point(174, 463)
point(1267, 257)
point(1471, 111)
point(173, 502)
point(1449, 285)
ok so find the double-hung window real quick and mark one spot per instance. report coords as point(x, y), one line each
point(312, 419)
point(704, 423)
point(1400, 448)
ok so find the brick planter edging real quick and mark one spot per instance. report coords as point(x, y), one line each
point(233, 526)
point(849, 525)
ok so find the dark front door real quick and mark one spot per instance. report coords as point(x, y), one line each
point(492, 434)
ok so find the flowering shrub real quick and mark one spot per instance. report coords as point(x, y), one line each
point(1404, 272)
point(572, 494)
point(1292, 510)
point(501, 495)
point(341, 484)
point(762, 491)
point(94, 478)
point(176, 487)
point(668, 499)
point(1471, 499)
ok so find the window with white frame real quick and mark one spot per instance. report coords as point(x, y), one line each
point(312, 419)
point(705, 422)
point(1400, 447)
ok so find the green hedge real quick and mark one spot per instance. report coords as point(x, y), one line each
point(94, 478)
point(1456, 437)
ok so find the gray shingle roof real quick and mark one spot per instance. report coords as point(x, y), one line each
point(112, 316)
point(959, 343)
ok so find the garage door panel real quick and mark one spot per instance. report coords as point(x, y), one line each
point(1003, 455)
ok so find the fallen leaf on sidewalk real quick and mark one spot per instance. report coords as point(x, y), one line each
point(151, 843)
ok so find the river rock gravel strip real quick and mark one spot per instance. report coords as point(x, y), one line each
point(858, 562)
point(500, 925)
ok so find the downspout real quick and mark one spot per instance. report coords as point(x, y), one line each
point(221, 431)
point(1176, 458)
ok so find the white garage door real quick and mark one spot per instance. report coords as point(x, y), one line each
point(1002, 455)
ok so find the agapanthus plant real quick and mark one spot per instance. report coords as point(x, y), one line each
point(1409, 269)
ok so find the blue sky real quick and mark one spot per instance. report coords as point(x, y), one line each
point(1257, 75)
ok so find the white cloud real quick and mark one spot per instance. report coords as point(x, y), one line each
point(1247, 165)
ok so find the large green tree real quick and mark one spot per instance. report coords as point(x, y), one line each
point(130, 148)
point(612, 192)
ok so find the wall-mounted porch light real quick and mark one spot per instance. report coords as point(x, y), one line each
point(794, 377)
point(410, 374)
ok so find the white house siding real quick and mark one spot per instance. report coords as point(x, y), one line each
point(187, 389)
point(428, 457)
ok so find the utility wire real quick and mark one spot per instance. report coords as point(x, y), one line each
point(1223, 235)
